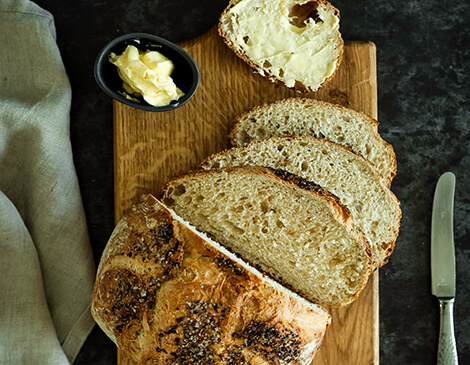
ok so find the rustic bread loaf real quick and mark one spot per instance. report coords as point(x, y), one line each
point(308, 117)
point(290, 228)
point(349, 176)
point(295, 43)
point(166, 294)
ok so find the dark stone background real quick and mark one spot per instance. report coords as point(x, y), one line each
point(423, 82)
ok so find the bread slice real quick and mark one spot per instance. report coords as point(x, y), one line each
point(165, 293)
point(294, 230)
point(308, 117)
point(349, 176)
point(295, 43)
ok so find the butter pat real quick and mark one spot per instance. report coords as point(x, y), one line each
point(147, 74)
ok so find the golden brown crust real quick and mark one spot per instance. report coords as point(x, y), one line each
point(178, 299)
point(265, 73)
point(374, 124)
point(340, 211)
point(388, 246)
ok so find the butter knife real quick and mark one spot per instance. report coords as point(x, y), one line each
point(443, 266)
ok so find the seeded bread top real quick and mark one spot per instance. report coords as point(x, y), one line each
point(163, 293)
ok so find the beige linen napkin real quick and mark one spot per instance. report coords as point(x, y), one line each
point(46, 262)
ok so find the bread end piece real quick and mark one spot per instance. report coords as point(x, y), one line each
point(164, 293)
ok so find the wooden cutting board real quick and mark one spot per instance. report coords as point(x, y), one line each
point(150, 148)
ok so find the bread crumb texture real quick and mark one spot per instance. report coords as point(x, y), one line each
point(309, 117)
point(286, 226)
point(166, 296)
point(342, 172)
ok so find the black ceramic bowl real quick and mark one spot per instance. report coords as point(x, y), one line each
point(185, 75)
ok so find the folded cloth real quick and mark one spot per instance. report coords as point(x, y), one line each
point(46, 262)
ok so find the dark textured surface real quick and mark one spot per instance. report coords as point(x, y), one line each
point(423, 78)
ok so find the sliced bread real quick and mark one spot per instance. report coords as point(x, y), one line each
point(308, 117)
point(344, 173)
point(295, 43)
point(294, 230)
point(165, 293)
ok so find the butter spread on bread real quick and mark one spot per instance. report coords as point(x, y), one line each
point(294, 42)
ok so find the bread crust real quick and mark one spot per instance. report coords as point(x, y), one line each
point(339, 210)
point(374, 124)
point(265, 73)
point(390, 245)
point(164, 294)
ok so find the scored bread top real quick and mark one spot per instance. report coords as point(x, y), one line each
point(165, 293)
point(346, 174)
point(309, 117)
point(289, 227)
point(295, 43)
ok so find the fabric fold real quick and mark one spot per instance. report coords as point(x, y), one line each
point(43, 231)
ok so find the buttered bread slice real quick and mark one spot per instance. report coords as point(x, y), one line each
point(308, 117)
point(344, 173)
point(292, 229)
point(296, 43)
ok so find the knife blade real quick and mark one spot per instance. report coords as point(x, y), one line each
point(442, 238)
point(443, 265)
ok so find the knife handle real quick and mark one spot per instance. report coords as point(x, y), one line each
point(447, 349)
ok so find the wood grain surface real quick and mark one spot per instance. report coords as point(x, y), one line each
point(150, 148)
